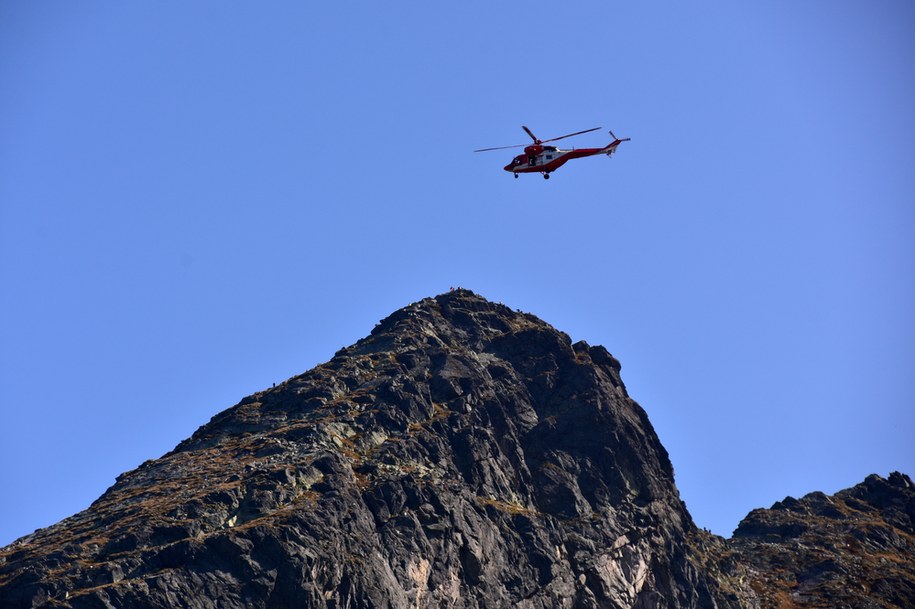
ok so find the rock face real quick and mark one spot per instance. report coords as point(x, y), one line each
point(463, 455)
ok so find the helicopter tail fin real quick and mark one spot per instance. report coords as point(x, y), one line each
point(610, 148)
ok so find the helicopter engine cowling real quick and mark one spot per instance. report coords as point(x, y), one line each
point(533, 149)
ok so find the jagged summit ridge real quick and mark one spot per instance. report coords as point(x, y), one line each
point(854, 549)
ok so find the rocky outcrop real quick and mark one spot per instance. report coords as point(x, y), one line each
point(463, 455)
point(852, 549)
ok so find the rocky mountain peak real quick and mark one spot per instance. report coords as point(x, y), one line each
point(463, 454)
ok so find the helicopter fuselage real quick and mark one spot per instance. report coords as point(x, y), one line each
point(545, 159)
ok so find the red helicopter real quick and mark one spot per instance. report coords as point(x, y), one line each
point(538, 158)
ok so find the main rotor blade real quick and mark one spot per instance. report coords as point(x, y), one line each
point(500, 148)
point(536, 141)
point(562, 137)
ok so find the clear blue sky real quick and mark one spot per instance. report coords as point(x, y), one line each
point(198, 199)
